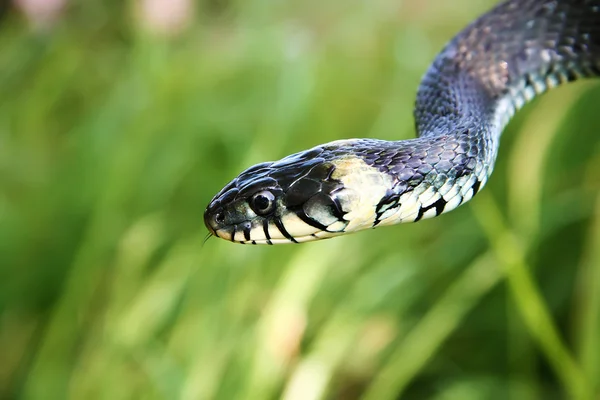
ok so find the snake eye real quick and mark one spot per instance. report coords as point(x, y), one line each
point(263, 202)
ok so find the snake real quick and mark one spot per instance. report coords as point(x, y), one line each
point(502, 60)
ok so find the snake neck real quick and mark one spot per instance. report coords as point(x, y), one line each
point(504, 59)
point(490, 70)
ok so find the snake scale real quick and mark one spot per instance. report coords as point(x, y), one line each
point(502, 60)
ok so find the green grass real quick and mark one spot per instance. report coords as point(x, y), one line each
point(113, 140)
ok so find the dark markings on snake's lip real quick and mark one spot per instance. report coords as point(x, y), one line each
point(232, 238)
point(247, 232)
point(476, 187)
point(266, 230)
point(254, 242)
point(284, 231)
point(439, 206)
point(310, 221)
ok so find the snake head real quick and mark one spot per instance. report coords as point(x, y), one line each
point(319, 193)
point(288, 201)
point(342, 187)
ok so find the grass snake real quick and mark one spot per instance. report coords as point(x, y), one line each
point(502, 60)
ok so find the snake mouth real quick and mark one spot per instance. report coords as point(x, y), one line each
point(274, 230)
point(233, 236)
point(212, 221)
point(265, 231)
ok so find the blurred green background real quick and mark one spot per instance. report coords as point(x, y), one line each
point(120, 120)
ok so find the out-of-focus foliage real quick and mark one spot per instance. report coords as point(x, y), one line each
point(120, 120)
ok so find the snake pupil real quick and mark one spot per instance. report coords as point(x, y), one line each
point(262, 202)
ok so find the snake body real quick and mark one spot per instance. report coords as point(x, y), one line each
point(506, 57)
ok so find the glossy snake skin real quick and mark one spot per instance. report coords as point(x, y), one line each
point(511, 54)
